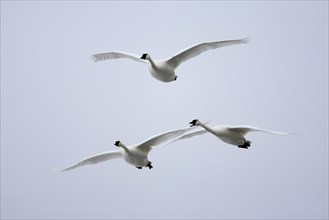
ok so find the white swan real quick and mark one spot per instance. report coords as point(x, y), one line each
point(164, 70)
point(136, 154)
point(230, 134)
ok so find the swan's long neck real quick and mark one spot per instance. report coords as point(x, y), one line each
point(151, 62)
point(125, 148)
point(206, 127)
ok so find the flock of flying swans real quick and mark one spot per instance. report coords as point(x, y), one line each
point(164, 70)
point(136, 155)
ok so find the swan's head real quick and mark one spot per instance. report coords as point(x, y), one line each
point(118, 143)
point(145, 56)
point(195, 122)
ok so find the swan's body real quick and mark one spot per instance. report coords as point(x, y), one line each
point(136, 155)
point(230, 134)
point(164, 70)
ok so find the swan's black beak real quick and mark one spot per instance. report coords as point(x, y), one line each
point(143, 57)
point(193, 123)
point(117, 143)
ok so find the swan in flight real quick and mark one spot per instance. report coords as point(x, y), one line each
point(230, 134)
point(164, 69)
point(136, 154)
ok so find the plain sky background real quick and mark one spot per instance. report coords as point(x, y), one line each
point(58, 107)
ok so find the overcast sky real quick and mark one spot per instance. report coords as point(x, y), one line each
point(58, 107)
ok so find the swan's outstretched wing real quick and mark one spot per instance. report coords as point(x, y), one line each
point(247, 128)
point(196, 50)
point(115, 55)
point(164, 138)
point(197, 131)
point(193, 133)
point(98, 158)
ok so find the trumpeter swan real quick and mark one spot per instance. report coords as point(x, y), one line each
point(164, 69)
point(230, 134)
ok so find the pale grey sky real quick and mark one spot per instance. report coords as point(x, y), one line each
point(58, 107)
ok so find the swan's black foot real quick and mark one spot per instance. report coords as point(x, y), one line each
point(149, 165)
point(245, 145)
point(139, 168)
point(175, 78)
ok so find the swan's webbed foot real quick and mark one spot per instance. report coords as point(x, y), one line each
point(245, 145)
point(149, 165)
point(175, 78)
point(139, 168)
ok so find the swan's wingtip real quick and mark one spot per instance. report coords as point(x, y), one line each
point(283, 133)
point(93, 58)
point(56, 170)
point(245, 40)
